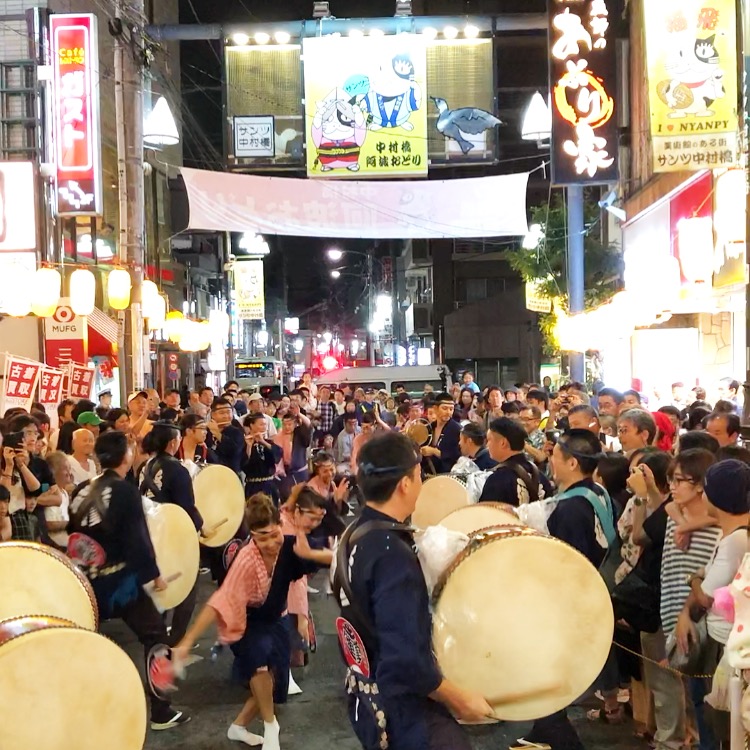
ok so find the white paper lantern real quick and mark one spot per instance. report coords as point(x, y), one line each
point(119, 284)
point(45, 292)
point(82, 291)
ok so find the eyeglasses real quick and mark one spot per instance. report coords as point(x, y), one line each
point(675, 480)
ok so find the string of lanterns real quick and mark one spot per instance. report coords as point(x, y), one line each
point(39, 291)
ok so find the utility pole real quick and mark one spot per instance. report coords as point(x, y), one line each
point(576, 271)
point(370, 334)
point(129, 114)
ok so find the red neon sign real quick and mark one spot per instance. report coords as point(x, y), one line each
point(75, 61)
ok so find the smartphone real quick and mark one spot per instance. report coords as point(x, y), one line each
point(45, 486)
point(552, 436)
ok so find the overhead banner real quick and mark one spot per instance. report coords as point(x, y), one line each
point(366, 105)
point(583, 76)
point(691, 48)
point(75, 64)
point(248, 288)
point(409, 209)
point(19, 383)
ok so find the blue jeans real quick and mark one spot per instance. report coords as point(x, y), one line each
point(699, 689)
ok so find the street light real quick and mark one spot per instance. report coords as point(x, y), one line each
point(160, 129)
point(537, 122)
point(335, 254)
point(335, 274)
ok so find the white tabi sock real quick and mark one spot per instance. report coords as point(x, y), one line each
point(294, 688)
point(271, 735)
point(240, 734)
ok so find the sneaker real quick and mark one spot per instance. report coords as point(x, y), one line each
point(204, 571)
point(177, 719)
point(311, 590)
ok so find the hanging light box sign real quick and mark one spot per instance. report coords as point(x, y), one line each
point(78, 183)
point(583, 78)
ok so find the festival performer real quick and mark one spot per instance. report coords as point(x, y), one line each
point(261, 457)
point(294, 441)
point(110, 543)
point(193, 446)
point(443, 450)
point(248, 611)
point(383, 597)
point(224, 438)
point(164, 479)
point(307, 503)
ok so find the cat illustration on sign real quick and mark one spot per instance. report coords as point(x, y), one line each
point(696, 80)
point(457, 123)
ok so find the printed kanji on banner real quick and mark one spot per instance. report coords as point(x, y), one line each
point(19, 382)
point(80, 381)
point(50, 386)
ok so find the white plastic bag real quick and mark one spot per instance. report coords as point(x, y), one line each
point(536, 514)
point(437, 548)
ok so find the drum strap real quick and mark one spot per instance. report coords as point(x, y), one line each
point(148, 484)
point(342, 582)
point(530, 480)
point(94, 498)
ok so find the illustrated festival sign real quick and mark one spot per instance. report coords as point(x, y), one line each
point(691, 48)
point(366, 106)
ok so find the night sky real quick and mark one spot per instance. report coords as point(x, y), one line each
point(294, 259)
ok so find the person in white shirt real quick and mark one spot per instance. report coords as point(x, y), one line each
point(82, 466)
point(255, 405)
point(726, 487)
point(57, 516)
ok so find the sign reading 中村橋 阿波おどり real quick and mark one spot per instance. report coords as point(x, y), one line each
point(366, 106)
point(582, 64)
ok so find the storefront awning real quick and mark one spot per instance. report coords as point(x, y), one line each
point(394, 209)
point(102, 335)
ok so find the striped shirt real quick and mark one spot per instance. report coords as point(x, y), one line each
point(677, 565)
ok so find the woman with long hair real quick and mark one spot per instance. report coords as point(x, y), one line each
point(248, 611)
point(465, 404)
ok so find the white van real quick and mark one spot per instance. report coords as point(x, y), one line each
point(414, 379)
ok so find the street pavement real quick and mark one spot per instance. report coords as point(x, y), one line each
point(316, 719)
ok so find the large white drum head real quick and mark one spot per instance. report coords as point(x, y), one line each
point(177, 551)
point(523, 619)
point(36, 579)
point(63, 687)
point(479, 516)
point(220, 498)
point(438, 497)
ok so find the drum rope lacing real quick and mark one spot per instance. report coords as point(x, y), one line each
point(663, 666)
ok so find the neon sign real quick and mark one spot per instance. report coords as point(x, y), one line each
point(582, 73)
point(78, 185)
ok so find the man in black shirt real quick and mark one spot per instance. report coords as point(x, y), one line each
point(472, 444)
point(110, 542)
point(225, 438)
point(385, 609)
point(443, 450)
point(516, 480)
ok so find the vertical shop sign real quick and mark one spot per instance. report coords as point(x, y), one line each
point(691, 49)
point(249, 291)
point(66, 336)
point(583, 76)
point(75, 62)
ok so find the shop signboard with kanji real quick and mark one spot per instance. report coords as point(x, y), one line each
point(51, 392)
point(582, 63)
point(80, 381)
point(75, 104)
point(19, 382)
point(691, 49)
point(249, 290)
point(366, 106)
